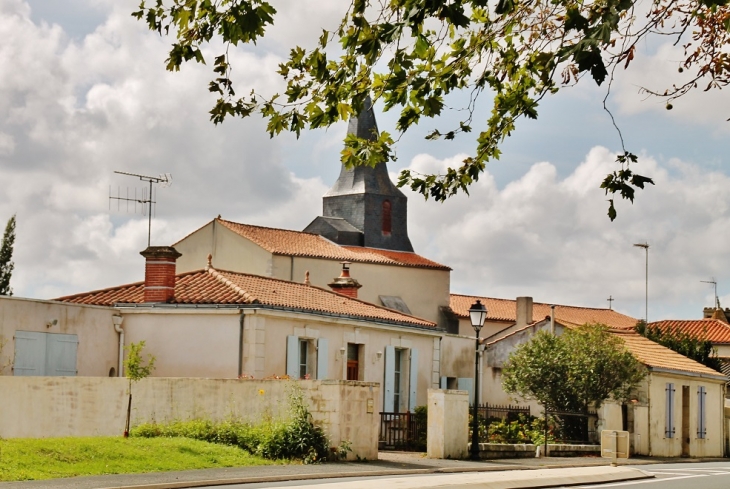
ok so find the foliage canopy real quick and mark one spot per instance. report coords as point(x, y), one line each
point(697, 348)
point(412, 54)
point(6, 257)
point(579, 369)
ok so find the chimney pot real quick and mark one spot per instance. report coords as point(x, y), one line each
point(344, 284)
point(159, 273)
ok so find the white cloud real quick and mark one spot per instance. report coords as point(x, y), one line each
point(550, 237)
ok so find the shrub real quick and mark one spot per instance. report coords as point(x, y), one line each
point(296, 438)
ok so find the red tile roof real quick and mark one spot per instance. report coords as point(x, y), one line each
point(506, 310)
point(657, 356)
point(298, 243)
point(212, 286)
point(649, 353)
point(713, 329)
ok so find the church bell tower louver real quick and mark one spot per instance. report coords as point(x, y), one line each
point(363, 207)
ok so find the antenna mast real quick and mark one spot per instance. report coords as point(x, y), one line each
point(714, 283)
point(148, 200)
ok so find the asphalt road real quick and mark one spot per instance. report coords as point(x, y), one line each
point(709, 475)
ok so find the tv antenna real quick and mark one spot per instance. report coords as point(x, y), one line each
point(714, 283)
point(147, 200)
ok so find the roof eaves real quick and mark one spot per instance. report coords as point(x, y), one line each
point(703, 375)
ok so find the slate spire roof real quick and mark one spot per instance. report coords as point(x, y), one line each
point(365, 197)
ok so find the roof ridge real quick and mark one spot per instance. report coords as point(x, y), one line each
point(266, 227)
point(220, 278)
point(535, 303)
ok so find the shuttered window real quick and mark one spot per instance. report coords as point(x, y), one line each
point(669, 413)
point(48, 354)
point(701, 412)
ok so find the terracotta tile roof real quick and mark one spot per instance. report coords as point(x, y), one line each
point(649, 353)
point(713, 329)
point(212, 286)
point(298, 243)
point(506, 310)
point(657, 356)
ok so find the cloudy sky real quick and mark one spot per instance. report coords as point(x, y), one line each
point(83, 92)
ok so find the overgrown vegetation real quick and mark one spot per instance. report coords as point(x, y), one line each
point(583, 367)
point(50, 458)
point(698, 348)
point(523, 429)
point(296, 438)
point(136, 368)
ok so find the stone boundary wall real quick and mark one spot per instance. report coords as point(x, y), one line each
point(44, 407)
point(505, 450)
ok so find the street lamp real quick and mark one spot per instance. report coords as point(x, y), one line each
point(477, 314)
point(645, 245)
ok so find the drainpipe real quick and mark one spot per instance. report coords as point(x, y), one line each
point(552, 319)
point(117, 320)
point(240, 344)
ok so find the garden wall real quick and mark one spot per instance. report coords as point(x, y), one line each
point(43, 407)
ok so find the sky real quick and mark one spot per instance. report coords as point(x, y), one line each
point(84, 92)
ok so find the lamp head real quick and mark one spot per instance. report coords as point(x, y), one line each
point(477, 315)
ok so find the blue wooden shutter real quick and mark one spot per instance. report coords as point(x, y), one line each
point(30, 353)
point(669, 421)
point(701, 412)
point(292, 357)
point(322, 358)
point(61, 354)
point(444, 383)
point(413, 380)
point(466, 384)
point(388, 393)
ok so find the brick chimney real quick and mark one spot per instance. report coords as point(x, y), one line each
point(524, 311)
point(159, 273)
point(344, 284)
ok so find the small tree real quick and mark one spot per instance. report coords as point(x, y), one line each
point(135, 370)
point(6, 257)
point(584, 367)
point(698, 348)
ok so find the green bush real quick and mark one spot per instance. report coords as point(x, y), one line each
point(522, 429)
point(295, 438)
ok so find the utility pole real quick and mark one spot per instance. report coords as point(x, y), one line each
point(645, 245)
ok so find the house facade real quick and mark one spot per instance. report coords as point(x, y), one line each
point(677, 410)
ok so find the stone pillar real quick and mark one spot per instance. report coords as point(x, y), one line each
point(448, 423)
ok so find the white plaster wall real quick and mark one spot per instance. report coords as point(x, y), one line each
point(265, 333)
point(186, 342)
point(43, 407)
point(457, 356)
point(423, 290)
point(98, 343)
point(230, 252)
point(660, 446)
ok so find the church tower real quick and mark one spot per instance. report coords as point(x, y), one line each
point(363, 207)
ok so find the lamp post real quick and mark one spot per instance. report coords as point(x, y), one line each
point(645, 245)
point(477, 315)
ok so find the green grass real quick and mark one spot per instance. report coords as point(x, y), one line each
point(50, 458)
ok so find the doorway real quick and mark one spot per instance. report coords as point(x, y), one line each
point(685, 421)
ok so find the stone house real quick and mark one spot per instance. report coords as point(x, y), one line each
point(677, 410)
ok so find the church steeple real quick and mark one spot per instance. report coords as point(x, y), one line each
point(363, 207)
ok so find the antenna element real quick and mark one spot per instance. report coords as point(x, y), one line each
point(146, 199)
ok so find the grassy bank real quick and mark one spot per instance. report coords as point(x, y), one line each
point(35, 459)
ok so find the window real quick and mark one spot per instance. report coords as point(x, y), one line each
point(353, 361)
point(306, 357)
point(669, 413)
point(398, 365)
point(387, 223)
point(303, 359)
point(48, 354)
point(701, 412)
